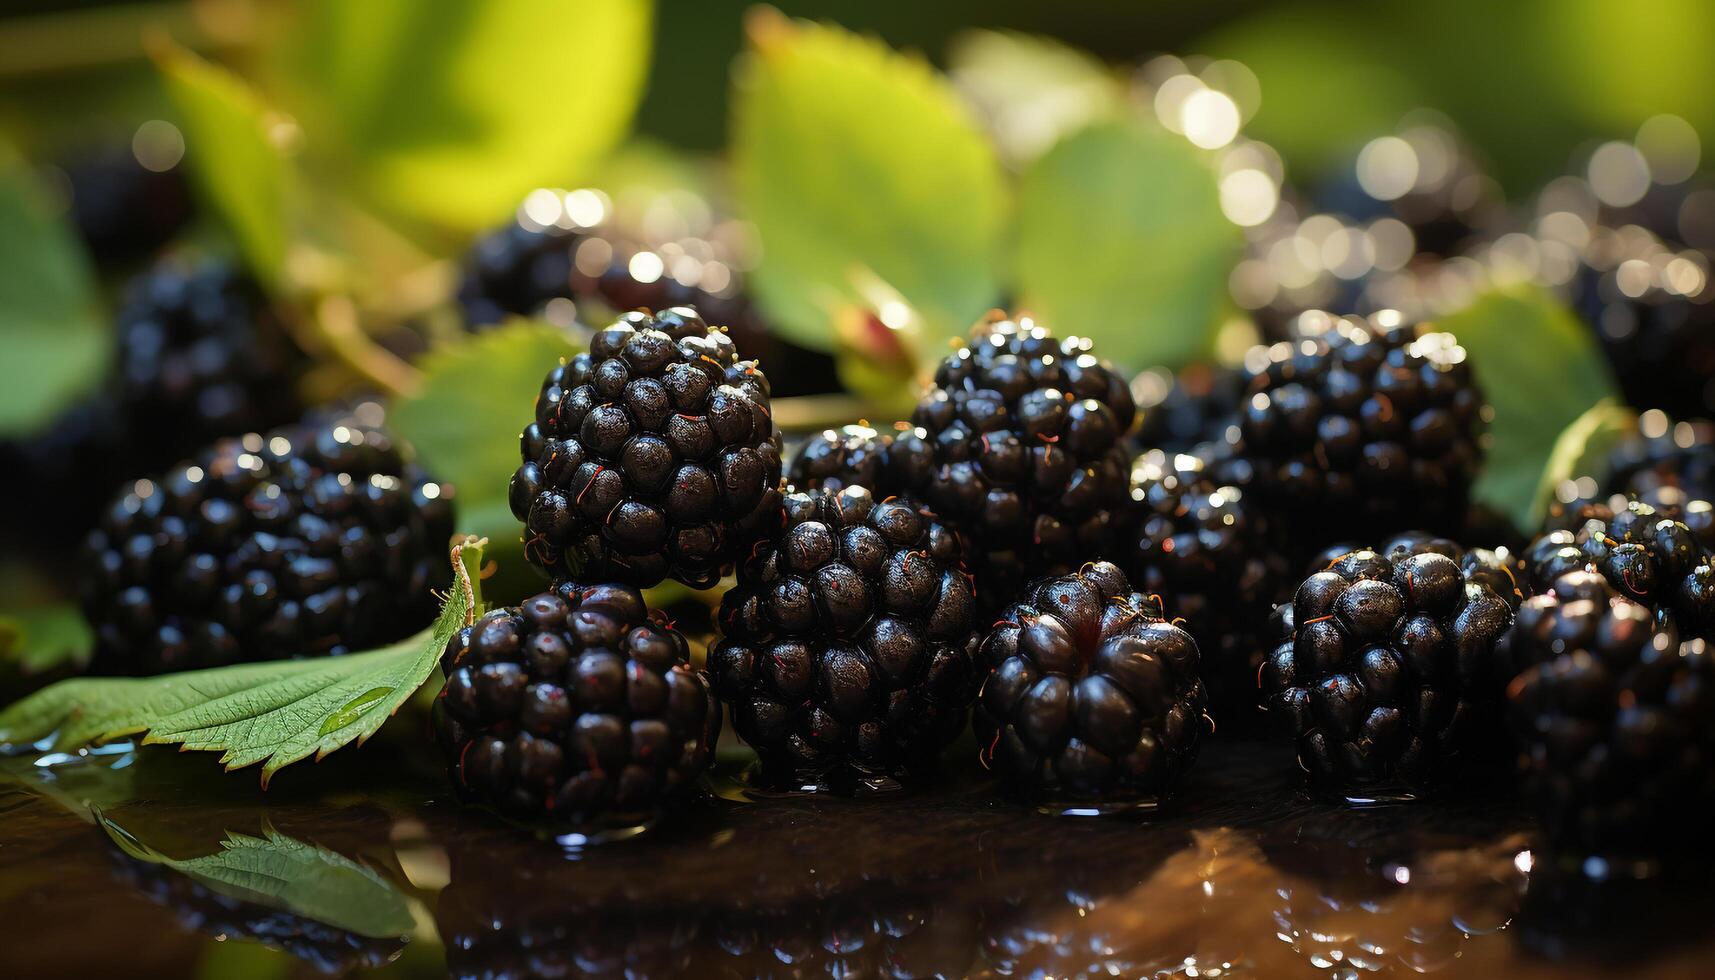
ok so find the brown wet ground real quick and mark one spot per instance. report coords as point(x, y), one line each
point(1239, 877)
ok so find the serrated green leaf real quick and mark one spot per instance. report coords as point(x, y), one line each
point(1582, 450)
point(282, 872)
point(465, 417)
point(1121, 239)
point(450, 113)
point(273, 713)
point(1541, 370)
point(1030, 90)
point(237, 165)
point(860, 166)
point(55, 337)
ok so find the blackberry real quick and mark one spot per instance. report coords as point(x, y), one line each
point(1425, 178)
point(1094, 698)
point(304, 542)
point(1649, 556)
point(849, 644)
point(1665, 456)
point(1212, 556)
point(1615, 717)
point(1385, 671)
point(124, 211)
point(652, 455)
point(1363, 428)
point(1026, 457)
point(1184, 409)
point(577, 704)
point(525, 267)
point(889, 462)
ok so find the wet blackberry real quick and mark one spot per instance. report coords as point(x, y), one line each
point(1025, 435)
point(578, 704)
point(1094, 697)
point(889, 462)
point(1363, 428)
point(1181, 410)
point(304, 542)
point(124, 211)
point(1385, 671)
point(1664, 455)
point(1210, 554)
point(1647, 555)
point(1615, 717)
point(849, 643)
point(525, 267)
point(1425, 178)
point(652, 456)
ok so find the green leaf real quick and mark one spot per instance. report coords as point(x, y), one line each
point(465, 417)
point(44, 635)
point(282, 872)
point(1582, 451)
point(867, 180)
point(236, 163)
point(275, 713)
point(1121, 238)
point(1541, 370)
point(1030, 90)
point(56, 338)
point(451, 112)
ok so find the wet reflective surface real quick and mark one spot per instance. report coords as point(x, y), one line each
point(364, 865)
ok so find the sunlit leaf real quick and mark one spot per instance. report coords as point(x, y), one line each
point(1121, 238)
point(274, 713)
point(1541, 370)
point(1030, 90)
point(282, 872)
point(56, 341)
point(1582, 450)
point(238, 164)
point(451, 112)
point(861, 168)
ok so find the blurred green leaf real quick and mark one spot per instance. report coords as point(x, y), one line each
point(450, 112)
point(464, 420)
point(1121, 239)
point(1030, 90)
point(56, 339)
point(43, 636)
point(1582, 450)
point(1541, 370)
point(237, 164)
point(868, 183)
point(280, 872)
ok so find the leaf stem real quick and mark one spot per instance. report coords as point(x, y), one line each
point(334, 322)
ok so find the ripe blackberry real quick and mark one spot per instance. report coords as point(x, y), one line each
point(577, 704)
point(1665, 456)
point(1094, 698)
point(526, 266)
point(1363, 427)
point(1425, 178)
point(888, 462)
point(1024, 435)
point(1211, 555)
point(1181, 410)
point(1385, 670)
point(1616, 719)
point(849, 644)
point(1647, 555)
point(124, 211)
point(304, 542)
point(652, 455)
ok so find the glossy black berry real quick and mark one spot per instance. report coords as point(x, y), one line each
point(888, 461)
point(308, 541)
point(1092, 695)
point(849, 642)
point(1179, 411)
point(1386, 669)
point(576, 704)
point(123, 210)
point(1363, 428)
point(653, 455)
point(1665, 461)
point(1650, 556)
point(1615, 717)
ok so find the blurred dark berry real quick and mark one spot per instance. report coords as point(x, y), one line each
point(1180, 410)
point(124, 211)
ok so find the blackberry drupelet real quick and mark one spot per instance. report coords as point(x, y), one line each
point(524, 267)
point(1650, 556)
point(1025, 436)
point(1363, 428)
point(577, 704)
point(1385, 671)
point(653, 455)
point(1094, 697)
point(1616, 720)
point(304, 542)
point(1212, 556)
point(849, 644)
